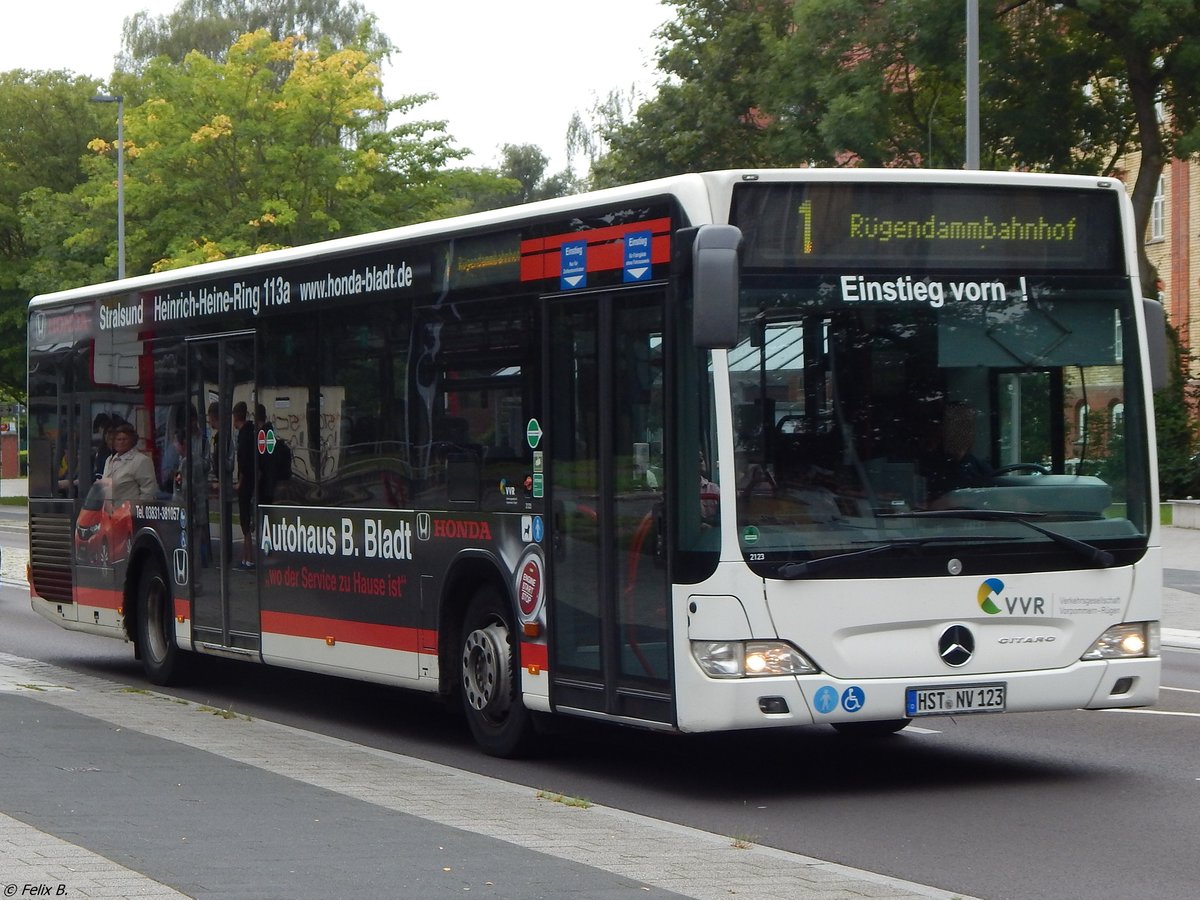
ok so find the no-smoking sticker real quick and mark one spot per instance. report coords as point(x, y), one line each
point(530, 585)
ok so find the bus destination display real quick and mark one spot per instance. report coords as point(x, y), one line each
point(919, 226)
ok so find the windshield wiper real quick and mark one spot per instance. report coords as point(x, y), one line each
point(1097, 557)
point(794, 570)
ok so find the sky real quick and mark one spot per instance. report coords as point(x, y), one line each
point(505, 71)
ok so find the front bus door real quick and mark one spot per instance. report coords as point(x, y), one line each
point(224, 595)
point(609, 599)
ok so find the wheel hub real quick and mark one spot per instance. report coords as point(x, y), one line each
point(485, 669)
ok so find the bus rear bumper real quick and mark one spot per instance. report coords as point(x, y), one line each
point(90, 620)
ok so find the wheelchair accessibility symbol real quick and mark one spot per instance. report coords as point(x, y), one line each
point(853, 699)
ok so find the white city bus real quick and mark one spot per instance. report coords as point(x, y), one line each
point(732, 450)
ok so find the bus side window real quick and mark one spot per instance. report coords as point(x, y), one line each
point(477, 384)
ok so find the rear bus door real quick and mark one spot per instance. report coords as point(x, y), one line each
point(225, 611)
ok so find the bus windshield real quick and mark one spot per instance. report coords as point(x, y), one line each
point(883, 403)
point(852, 420)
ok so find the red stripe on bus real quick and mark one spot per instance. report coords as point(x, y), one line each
point(600, 258)
point(102, 598)
point(388, 637)
point(542, 257)
point(183, 609)
point(594, 235)
point(535, 655)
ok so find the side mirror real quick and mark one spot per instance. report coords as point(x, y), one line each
point(1156, 343)
point(715, 286)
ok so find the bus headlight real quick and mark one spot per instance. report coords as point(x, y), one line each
point(1129, 640)
point(743, 659)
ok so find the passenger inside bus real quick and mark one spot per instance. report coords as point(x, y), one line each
point(950, 462)
point(246, 464)
point(129, 470)
point(102, 431)
point(710, 495)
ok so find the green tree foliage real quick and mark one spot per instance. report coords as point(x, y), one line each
point(45, 124)
point(883, 84)
point(1152, 49)
point(708, 112)
point(520, 178)
point(1175, 431)
point(231, 157)
point(587, 132)
point(210, 27)
point(525, 165)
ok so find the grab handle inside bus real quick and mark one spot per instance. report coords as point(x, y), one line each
point(715, 286)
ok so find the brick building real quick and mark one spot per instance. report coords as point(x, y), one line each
point(1173, 247)
point(10, 453)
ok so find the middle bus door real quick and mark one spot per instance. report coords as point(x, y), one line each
point(608, 592)
point(225, 610)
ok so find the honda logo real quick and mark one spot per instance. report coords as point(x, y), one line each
point(180, 560)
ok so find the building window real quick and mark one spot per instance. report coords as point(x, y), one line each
point(1158, 213)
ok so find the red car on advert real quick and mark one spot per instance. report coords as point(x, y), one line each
point(103, 530)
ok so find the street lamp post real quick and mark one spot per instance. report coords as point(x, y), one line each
point(118, 99)
point(972, 161)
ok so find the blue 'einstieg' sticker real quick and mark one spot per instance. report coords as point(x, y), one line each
point(574, 266)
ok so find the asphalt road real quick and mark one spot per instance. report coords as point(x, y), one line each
point(1182, 579)
point(1063, 805)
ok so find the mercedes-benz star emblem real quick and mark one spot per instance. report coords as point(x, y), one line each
point(956, 646)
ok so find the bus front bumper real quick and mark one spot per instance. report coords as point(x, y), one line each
point(710, 704)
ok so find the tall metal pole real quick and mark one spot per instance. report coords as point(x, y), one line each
point(121, 184)
point(118, 99)
point(972, 160)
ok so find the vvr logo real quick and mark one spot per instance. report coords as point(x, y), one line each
point(991, 591)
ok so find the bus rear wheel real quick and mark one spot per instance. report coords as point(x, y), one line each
point(489, 686)
point(161, 656)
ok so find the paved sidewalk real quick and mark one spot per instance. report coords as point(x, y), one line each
point(1181, 603)
point(129, 793)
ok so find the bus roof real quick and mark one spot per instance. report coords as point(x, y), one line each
point(699, 194)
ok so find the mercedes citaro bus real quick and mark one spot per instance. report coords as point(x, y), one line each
point(734, 450)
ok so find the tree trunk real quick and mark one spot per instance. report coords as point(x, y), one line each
point(1143, 92)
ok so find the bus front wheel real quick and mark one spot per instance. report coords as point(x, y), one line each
point(489, 686)
point(156, 626)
